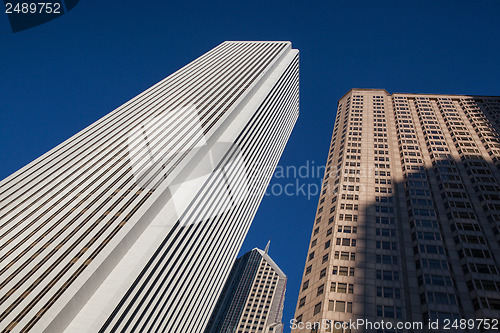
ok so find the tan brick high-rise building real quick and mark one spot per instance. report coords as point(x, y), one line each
point(407, 228)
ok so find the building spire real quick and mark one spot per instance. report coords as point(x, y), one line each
point(267, 246)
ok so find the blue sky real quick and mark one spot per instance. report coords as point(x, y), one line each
point(59, 77)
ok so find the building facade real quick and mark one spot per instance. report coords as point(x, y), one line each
point(408, 220)
point(253, 297)
point(133, 224)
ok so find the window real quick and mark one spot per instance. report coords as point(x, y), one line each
point(385, 232)
point(345, 255)
point(389, 311)
point(387, 275)
point(388, 292)
point(347, 229)
point(325, 258)
point(339, 306)
point(342, 288)
point(317, 308)
point(387, 259)
point(386, 245)
point(302, 302)
point(320, 290)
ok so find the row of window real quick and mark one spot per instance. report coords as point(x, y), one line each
point(385, 259)
point(484, 285)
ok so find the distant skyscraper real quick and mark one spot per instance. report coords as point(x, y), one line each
point(408, 222)
point(134, 223)
point(253, 297)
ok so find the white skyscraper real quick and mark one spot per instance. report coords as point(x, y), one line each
point(253, 298)
point(133, 224)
